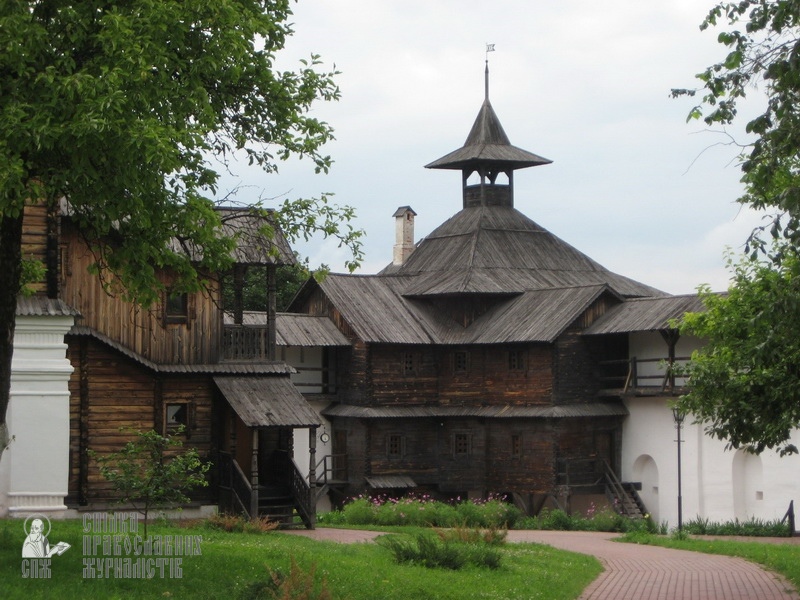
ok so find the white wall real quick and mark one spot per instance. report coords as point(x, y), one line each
point(717, 484)
point(34, 469)
point(302, 455)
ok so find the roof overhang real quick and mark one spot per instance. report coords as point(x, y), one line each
point(390, 482)
point(592, 410)
point(267, 402)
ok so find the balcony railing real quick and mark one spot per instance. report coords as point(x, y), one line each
point(642, 373)
point(245, 342)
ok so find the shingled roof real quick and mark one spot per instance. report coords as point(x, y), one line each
point(498, 250)
point(646, 314)
point(527, 284)
point(378, 312)
point(487, 143)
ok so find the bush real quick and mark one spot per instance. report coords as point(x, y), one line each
point(426, 512)
point(466, 535)
point(752, 527)
point(296, 585)
point(240, 524)
point(437, 553)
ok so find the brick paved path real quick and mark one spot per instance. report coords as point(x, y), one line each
point(634, 572)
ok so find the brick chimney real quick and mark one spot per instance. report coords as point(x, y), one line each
point(403, 235)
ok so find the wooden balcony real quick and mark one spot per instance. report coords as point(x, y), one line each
point(245, 343)
point(643, 376)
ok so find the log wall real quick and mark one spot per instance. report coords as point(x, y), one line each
point(144, 331)
point(111, 394)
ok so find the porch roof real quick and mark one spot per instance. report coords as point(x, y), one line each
point(385, 482)
point(267, 401)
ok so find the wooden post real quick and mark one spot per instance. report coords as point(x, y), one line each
point(254, 477)
point(272, 293)
point(238, 293)
point(671, 336)
point(312, 460)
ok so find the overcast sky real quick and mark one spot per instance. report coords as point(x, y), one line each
point(583, 83)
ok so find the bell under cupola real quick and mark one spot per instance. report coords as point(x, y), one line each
point(485, 157)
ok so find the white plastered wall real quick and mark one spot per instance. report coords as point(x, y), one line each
point(717, 484)
point(34, 469)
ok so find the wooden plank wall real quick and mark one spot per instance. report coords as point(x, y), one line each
point(143, 331)
point(109, 391)
point(487, 381)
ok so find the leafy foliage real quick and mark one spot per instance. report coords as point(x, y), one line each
point(424, 511)
point(297, 584)
point(745, 382)
point(441, 552)
point(763, 53)
point(150, 473)
point(753, 527)
point(128, 111)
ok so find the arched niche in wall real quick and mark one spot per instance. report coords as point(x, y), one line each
point(645, 471)
point(747, 484)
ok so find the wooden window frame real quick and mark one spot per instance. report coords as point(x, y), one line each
point(462, 443)
point(395, 446)
point(460, 367)
point(188, 417)
point(516, 445)
point(410, 362)
point(173, 316)
point(516, 360)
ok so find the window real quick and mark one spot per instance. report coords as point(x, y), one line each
point(515, 360)
point(176, 308)
point(460, 362)
point(461, 444)
point(175, 416)
point(395, 445)
point(409, 363)
point(516, 445)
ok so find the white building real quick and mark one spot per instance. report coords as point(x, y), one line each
point(34, 468)
point(716, 484)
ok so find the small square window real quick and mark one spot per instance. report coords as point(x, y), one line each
point(176, 308)
point(461, 444)
point(409, 363)
point(460, 362)
point(176, 416)
point(515, 360)
point(516, 445)
point(395, 445)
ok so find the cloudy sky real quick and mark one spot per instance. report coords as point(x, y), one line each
point(583, 83)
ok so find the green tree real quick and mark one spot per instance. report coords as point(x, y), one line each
point(127, 110)
point(150, 472)
point(745, 384)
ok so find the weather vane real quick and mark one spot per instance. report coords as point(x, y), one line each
point(489, 48)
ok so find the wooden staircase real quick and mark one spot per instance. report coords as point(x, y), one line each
point(291, 505)
point(623, 496)
point(276, 504)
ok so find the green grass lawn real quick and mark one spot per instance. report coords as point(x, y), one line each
point(780, 558)
point(230, 562)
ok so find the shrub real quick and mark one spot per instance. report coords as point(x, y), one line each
point(467, 535)
point(438, 553)
point(753, 527)
point(240, 524)
point(426, 512)
point(296, 585)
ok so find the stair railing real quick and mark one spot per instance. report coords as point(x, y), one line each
point(233, 480)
